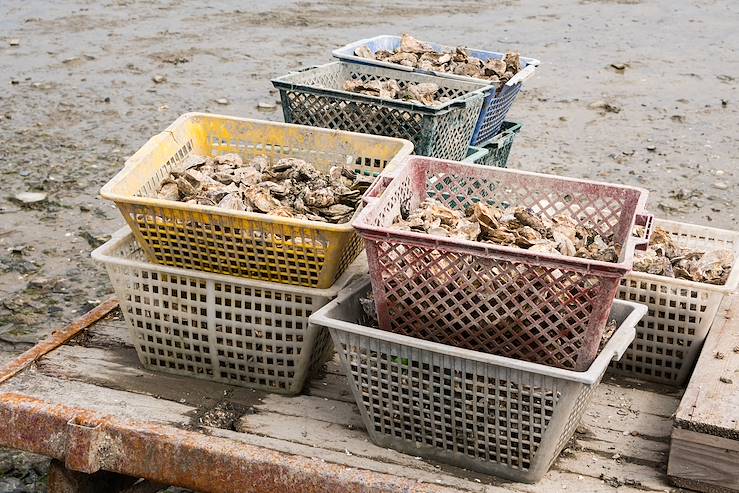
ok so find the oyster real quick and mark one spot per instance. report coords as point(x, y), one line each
point(287, 187)
point(417, 54)
point(364, 52)
point(388, 89)
point(426, 93)
point(515, 227)
point(666, 257)
point(169, 191)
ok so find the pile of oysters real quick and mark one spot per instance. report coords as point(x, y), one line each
point(513, 227)
point(417, 54)
point(424, 93)
point(665, 257)
point(287, 187)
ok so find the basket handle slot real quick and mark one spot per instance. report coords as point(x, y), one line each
point(521, 76)
point(647, 220)
point(377, 188)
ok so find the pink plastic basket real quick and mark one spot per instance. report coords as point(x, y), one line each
point(547, 309)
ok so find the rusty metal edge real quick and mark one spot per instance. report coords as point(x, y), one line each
point(170, 455)
point(56, 339)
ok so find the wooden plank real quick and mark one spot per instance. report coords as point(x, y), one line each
point(620, 446)
point(711, 401)
point(704, 458)
point(704, 453)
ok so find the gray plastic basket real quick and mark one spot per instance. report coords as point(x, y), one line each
point(216, 327)
point(670, 337)
point(488, 413)
point(315, 96)
point(497, 103)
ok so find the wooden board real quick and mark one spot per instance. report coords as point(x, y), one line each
point(705, 439)
point(621, 445)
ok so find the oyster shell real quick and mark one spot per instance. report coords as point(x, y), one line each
point(424, 93)
point(414, 53)
point(169, 191)
point(516, 227)
point(364, 52)
point(288, 187)
point(666, 257)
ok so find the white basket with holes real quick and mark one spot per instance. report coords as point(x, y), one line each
point(220, 328)
point(489, 413)
point(680, 312)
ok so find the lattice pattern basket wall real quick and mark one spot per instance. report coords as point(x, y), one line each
point(244, 244)
point(680, 313)
point(497, 103)
point(499, 147)
point(316, 96)
point(548, 309)
point(487, 413)
point(219, 328)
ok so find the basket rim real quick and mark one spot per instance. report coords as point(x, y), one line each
point(504, 136)
point(108, 192)
point(614, 269)
point(614, 348)
point(346, 52)
point(731, 283)
point(104, 254)
point(283, 82)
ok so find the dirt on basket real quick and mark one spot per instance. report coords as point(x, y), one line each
point(417, 54)
point(288, 187)
point(516, 227)
point(666, 257)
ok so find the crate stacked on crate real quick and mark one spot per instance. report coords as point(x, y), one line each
point(467, 111)
point(225, 294)
point(479, 411)
point(483, 355)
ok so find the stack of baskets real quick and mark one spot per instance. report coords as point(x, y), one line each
point(226, 295)
point(482, 356)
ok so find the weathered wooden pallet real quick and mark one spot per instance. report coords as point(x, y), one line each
point(90, 405)
point(704, 454)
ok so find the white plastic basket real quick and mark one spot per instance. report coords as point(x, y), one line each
point(493, 414)
point(669, 338)
point(215, 327)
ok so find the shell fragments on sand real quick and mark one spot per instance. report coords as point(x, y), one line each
point(666, 257)
point(417, 54)
point(514, 227)
point(287, 187)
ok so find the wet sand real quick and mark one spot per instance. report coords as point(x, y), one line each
point(79, 97)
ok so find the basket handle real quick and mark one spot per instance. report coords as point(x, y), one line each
point(647, 220)
point(375, 190)
point(521, 76)
point(304, 69)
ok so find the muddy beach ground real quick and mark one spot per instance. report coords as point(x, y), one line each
point(79, 96)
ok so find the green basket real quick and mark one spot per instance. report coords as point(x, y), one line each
point(499, 147)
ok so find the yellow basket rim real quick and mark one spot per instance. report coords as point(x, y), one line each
point(107, 191)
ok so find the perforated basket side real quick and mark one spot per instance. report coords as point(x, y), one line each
point(245, 244)
point(466, 413)
point(680, 313)
point(482, 412)
point(241, 332)
point(494, 110)
point(499, 148)
point(316, 97)
point(544, 309)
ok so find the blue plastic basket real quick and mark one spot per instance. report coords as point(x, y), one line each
point(494, 108)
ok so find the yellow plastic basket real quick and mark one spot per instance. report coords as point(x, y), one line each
point(244, 244)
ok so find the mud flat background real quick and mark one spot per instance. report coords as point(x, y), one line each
point(635, 92)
